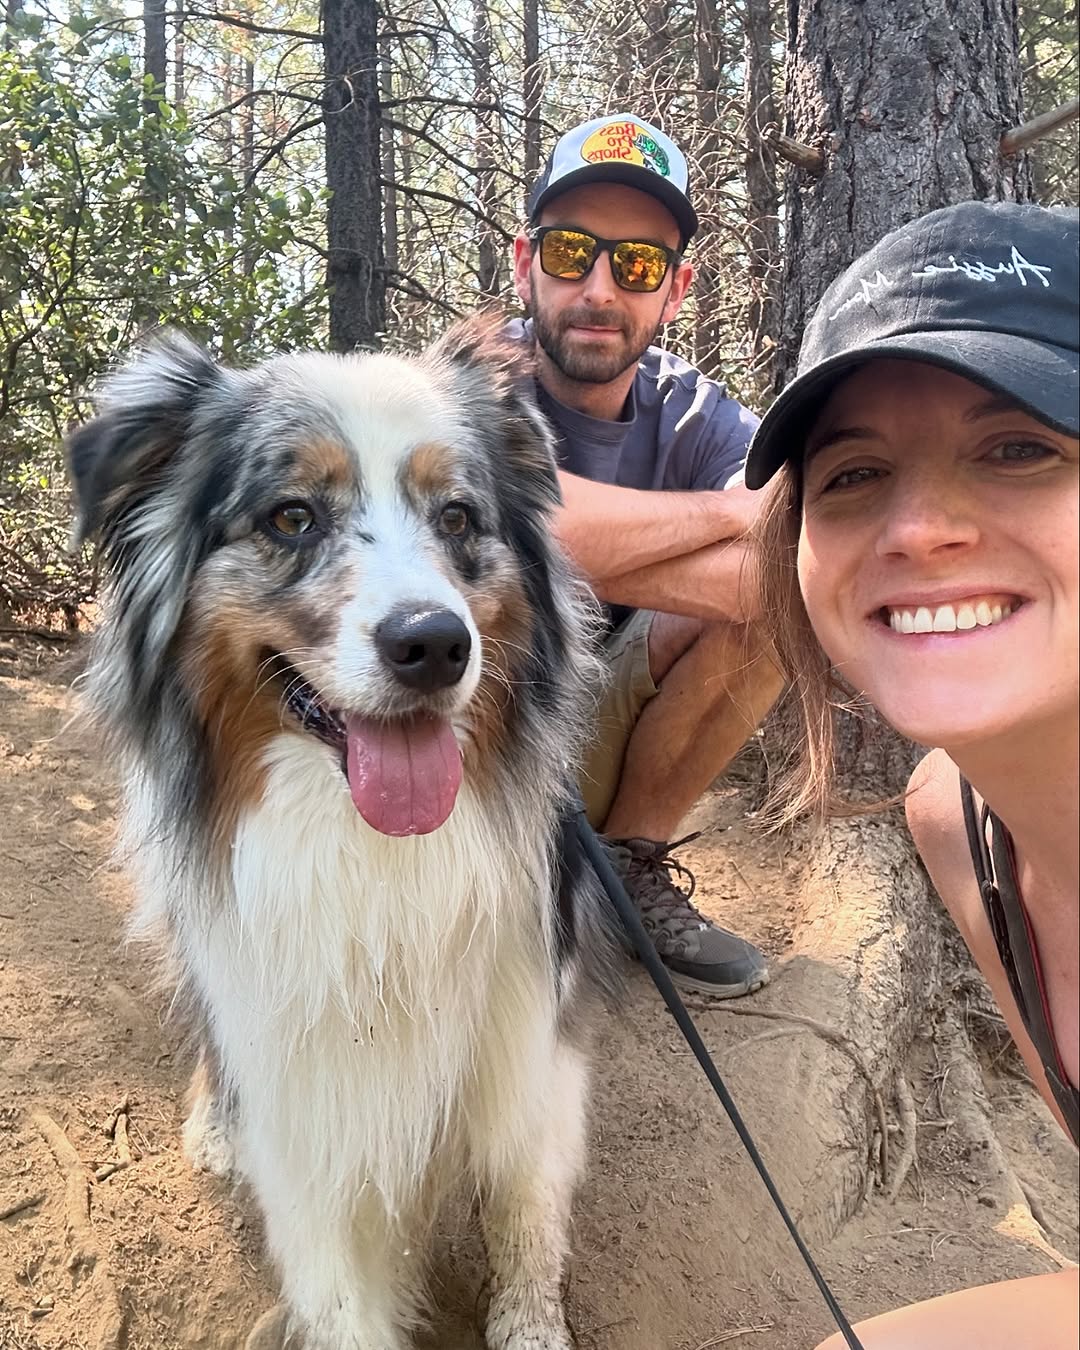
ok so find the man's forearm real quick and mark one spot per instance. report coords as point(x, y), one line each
point(615, 531)
point(715, 582)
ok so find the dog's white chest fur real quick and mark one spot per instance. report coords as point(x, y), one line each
point(367, 974)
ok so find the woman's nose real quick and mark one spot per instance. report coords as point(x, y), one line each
point(926, 514)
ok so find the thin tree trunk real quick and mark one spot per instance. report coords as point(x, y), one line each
point(762, 194)
point(247, 163)
point(532, 90)
point(11, 8)
point(389, 165)
point(710, 331)
point(179, 100)
point(154, 52)
point(489, 253)
point(355, 269)
point(155, 190)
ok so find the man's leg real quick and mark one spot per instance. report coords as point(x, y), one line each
point(685, 696)
point(715, 684)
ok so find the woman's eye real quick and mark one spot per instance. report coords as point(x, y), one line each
point(862, 473)
point(292, 519)
point(455, 519)
point(1021, 452)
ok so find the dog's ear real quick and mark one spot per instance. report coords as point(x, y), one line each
point(493, 376)
point(144, 411)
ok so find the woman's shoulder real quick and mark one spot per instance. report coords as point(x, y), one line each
point(935, 814)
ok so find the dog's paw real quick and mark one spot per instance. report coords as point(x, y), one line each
point(511, 1329)
point(533, 1338)
point(207, 1140)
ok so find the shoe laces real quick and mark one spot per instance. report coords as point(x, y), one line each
point(661, 882)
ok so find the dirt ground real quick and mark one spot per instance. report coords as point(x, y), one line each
point(674, 1247)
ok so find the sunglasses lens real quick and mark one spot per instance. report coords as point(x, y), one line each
point(567, 254)
point(639, 267)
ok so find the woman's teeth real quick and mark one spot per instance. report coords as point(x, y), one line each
point(950, 618)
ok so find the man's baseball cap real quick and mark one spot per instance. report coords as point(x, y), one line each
point(620, 148)
point(988, 290)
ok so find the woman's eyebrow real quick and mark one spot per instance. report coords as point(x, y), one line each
point(991, 407)
point(834, 437)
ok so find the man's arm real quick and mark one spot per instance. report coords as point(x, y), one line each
point(678, 552)
point(613, 531)
point(715, 582)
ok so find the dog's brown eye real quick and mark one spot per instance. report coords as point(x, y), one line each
point(455, 519)
point(293, 519)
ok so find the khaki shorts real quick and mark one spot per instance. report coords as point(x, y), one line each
point(630, 686)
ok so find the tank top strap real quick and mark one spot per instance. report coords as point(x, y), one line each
point(1017, 950)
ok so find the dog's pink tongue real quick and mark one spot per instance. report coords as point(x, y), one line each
point(404, 776)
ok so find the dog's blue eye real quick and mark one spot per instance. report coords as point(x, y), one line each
point(292, 519)
point(455, 519)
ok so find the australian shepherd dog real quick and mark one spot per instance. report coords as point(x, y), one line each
point(348, 678)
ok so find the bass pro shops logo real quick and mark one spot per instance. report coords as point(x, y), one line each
point(629, 142)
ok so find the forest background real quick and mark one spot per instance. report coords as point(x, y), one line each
point(167, 163)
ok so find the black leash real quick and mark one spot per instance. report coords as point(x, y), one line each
point(652, 963)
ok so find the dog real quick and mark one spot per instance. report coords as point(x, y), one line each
point(347, 674)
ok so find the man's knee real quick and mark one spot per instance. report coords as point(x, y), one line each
point(733, 659)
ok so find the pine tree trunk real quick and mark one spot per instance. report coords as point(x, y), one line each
point(355, 269)
point(908, 99)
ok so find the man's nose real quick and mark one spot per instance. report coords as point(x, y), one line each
point(599, 288)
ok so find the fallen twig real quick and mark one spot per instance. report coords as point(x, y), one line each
point(46, 634)
point(76, 1191)
point(27, 1202)
point(734, 1335)
point(111, 1326)
point(905, 1105)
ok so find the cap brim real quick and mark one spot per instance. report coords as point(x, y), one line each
point(1040, 377)
point(632, 175)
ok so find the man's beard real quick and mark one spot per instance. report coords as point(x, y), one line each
point(584, 362)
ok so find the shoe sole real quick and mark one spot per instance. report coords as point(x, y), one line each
point(740, 990)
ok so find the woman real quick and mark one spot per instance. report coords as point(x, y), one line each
point(928, 458)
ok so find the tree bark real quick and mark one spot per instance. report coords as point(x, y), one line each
point(532, 90)
point(355, 269)
point(489, 252)
point(908, 98)
point(710, 328)
point(762, 194)
point(154, 55)
point(388, 155)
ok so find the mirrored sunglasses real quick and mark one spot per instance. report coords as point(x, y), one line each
point(571, 254)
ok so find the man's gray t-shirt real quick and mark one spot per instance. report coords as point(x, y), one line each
point(679, 431)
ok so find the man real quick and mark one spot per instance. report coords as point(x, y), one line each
point(655, 515)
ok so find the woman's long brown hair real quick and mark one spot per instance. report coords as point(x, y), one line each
point(804, 784)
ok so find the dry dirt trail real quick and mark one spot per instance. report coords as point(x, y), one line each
point(107, 1240)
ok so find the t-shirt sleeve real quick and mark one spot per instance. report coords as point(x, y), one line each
point(720, 454)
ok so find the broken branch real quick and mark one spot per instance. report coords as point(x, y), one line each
point(1027, 133)
point(802, 156)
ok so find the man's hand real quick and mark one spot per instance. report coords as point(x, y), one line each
point(679, 552)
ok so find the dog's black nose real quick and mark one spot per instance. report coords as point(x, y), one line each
point(427, 649)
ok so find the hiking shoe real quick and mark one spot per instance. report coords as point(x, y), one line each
point(700, 955)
